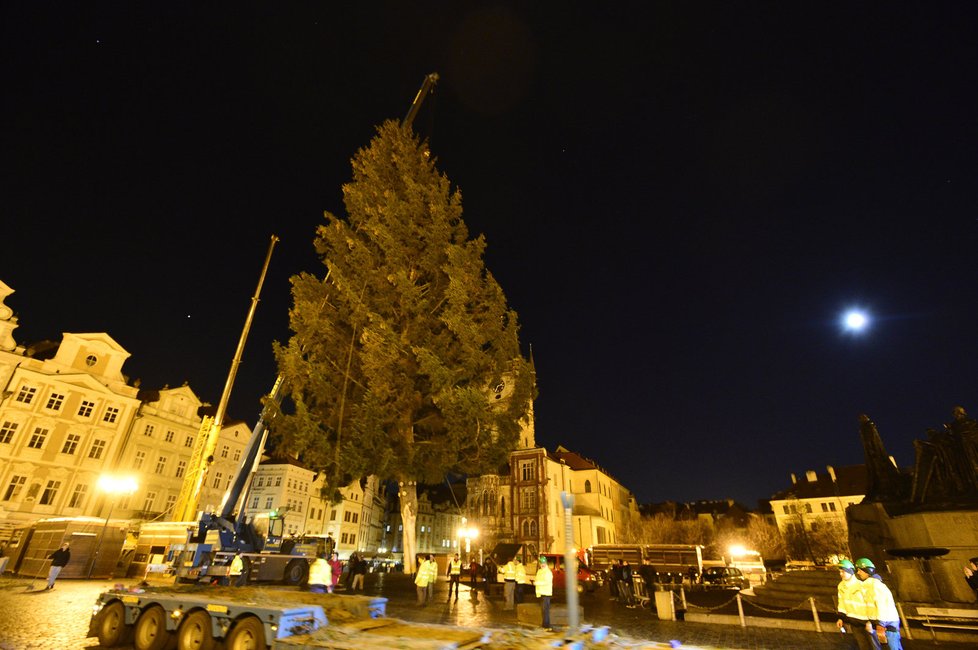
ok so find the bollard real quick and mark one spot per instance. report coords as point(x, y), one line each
point(740, 611)
point(818, 623)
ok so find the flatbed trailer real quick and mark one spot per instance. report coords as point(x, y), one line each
point(158, 620)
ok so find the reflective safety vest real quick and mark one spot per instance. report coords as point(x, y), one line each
point(879, 601)
point(423, 576)
point(852, 599)
point(432, 571)
point(544, 581)
point(521, 578)
point(237, 566)
point(509, 571)
point(455, 567)
point(320, 572)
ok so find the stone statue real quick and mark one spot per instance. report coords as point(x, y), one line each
point(884, 481)
point(946, 468)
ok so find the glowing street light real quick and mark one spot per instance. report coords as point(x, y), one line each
point(468, 533)
point(113, 486)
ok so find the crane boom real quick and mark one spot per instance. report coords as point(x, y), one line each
point(185, 509)
point(426, 86)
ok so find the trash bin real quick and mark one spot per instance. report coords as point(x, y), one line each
point(664, 606)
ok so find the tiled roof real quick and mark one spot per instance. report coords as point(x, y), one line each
point(851, 480)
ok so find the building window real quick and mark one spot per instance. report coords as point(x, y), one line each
point(502, 507)
point(148, 431)
point(14, 488)
point(169, 436)
point(217, 479)
point(268, 503)
point(808, 508)
point(224, 451)
point(356, 517)
point(237, 455)
point(353, 538)
point(86, 408)
point(260, 482)
point(50, 492)
point(150, 500)
point(38, 438)
point(77, 499)
point(171, 501)
point(533, 528)
point(189, 442)
point(111, 414)
point(254, 504)
point(71, 443)
point(181, 468)
point(343, 538)
point(832, 506)
point(528, 470)
point(97, 448)
point(528, 499)
point(332, 514)
point(26, 394)
point(346, 517)
point(161, 464)
point(587, 486)
point(278, 481)
point(7, 431)
point(55, 401)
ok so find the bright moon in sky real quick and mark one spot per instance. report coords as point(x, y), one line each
point(855, 321)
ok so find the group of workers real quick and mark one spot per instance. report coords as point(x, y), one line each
point(513, 574)
point(866, 606)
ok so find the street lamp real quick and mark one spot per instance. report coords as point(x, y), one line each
point(113, 486)
point(468, 534)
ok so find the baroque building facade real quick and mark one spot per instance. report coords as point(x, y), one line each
point(68, 416)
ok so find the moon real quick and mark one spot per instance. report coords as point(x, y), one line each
point(855, 320)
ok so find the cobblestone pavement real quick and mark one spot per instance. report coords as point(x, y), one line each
point(58, 619)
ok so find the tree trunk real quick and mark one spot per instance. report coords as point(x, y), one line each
point(408, 494)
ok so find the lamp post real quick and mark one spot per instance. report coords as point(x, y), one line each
point(468, 534)
point(113, 486)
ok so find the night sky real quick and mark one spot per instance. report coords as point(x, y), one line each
point(680, 200)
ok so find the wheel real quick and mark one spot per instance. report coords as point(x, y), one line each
point(247, 634)
point(151, 632)
point(195, 632)
point(296, 572)
point(111, 626)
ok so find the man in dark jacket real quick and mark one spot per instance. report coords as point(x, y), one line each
point(58, 561)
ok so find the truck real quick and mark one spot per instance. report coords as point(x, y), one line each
point(673, 563)
point(160, 620)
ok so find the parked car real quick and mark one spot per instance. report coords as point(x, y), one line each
point(724, 577)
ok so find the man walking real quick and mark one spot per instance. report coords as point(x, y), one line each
point(454, 576)
point(544, 585)
point(58, 561)
point(852, 607)
point(879, 605)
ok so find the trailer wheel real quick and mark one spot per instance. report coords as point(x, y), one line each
point(296, 572)
point(195, 632)
point(111, 626)
point(247, 634)
point(151, 632)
